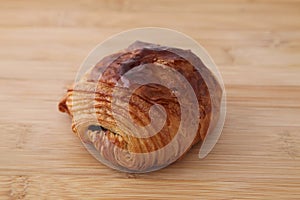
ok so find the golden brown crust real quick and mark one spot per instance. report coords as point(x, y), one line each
point(83, 101)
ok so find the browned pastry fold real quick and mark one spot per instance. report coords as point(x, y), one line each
point(89, 103)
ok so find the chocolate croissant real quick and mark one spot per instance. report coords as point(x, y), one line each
point(111, 112)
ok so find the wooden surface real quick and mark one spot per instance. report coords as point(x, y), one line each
point(256, 45)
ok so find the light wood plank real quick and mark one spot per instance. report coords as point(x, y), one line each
point(256, 45)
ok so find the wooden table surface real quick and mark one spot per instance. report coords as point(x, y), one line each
point(256, 45)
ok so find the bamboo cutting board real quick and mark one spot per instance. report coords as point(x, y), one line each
point(256, 45)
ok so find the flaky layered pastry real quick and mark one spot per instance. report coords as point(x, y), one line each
point(89, 103)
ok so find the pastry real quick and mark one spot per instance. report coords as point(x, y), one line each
point(103, 94)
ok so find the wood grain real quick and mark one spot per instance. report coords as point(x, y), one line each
point(255, 43)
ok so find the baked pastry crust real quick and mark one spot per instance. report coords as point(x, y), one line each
point(89, 102)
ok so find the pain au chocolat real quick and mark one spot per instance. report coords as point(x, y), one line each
point(89, 103)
